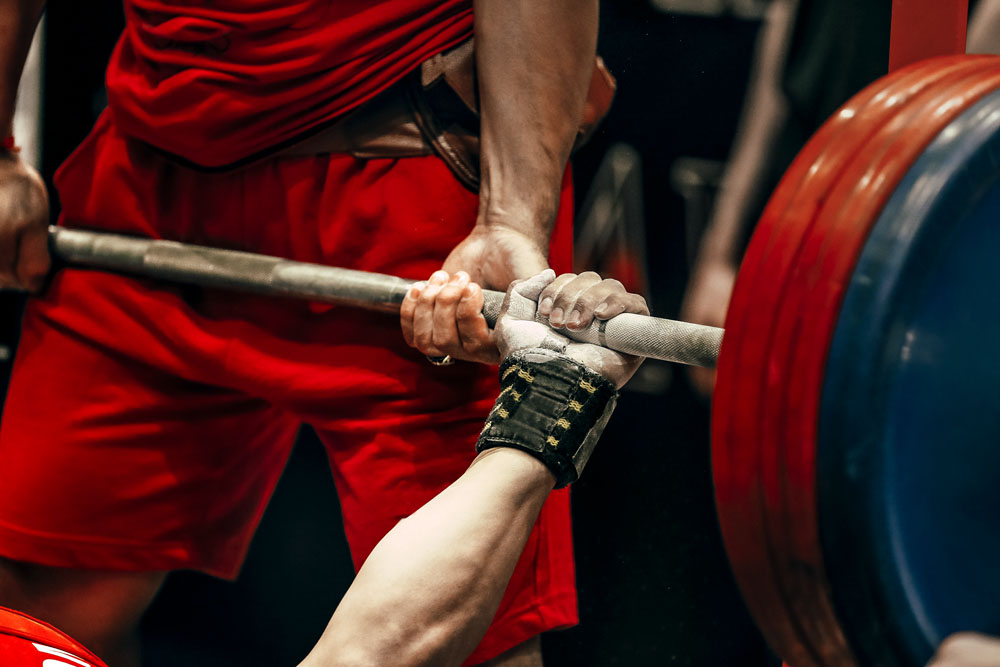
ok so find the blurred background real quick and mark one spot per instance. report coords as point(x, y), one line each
point(654, 584)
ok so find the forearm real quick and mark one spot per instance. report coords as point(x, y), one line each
point(763, 116)
point(429, 590)
point(18, 19)
point(984, 28)
point(535, 59)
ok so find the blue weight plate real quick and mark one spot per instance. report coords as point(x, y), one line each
point(909, 448)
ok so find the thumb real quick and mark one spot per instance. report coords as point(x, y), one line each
point(531, 287)
point(521, 299)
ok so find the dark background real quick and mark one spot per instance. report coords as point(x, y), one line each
point(654, 584)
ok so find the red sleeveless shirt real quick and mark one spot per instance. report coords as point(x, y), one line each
point(216, 81)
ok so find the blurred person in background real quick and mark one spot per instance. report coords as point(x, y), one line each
point(812, 56)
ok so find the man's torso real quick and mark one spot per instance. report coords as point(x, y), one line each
point(216, 82)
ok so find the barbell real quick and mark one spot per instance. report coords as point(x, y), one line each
point(654, 337)
point(857, 411)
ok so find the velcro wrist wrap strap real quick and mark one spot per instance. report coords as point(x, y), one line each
point(552, 407)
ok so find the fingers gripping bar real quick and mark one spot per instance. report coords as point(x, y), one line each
point(652, 337)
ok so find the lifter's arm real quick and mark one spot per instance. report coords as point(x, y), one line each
point(534, 60)
point(24, 211)
point(429, 590)
point(18, 19)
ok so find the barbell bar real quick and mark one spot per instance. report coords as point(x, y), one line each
point(653, 337)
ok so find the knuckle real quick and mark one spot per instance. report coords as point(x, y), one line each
point(468, 317)
point(442, 341)
point(560, 281)
point(448, 297)
point(566, 296)
point(590, 297)
point(422, 339)
point(430, 351)
point(615, 299)
point(614, 284)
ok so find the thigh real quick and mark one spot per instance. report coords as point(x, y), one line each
point(113, 460)
point(99, 609)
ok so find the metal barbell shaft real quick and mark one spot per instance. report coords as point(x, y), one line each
point(653, 337)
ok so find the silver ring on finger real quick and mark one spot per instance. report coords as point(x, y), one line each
point(446, 360)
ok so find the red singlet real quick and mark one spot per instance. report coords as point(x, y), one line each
point(216, 82)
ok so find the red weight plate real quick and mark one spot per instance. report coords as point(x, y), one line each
point(737, 465)
point(804, 326)
point(737, 470)
point(814, 624)
point(812, 168)
point(744, 496)
point(871, 104)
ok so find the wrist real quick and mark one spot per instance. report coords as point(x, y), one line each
point(551, 407)
point(520, 463)
point(533, 216)
point(535, 226)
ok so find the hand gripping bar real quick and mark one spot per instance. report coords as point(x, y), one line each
point(653, 337)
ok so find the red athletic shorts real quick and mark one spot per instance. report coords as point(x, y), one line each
point(147, 424)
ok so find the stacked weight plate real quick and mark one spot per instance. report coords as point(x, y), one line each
point(791, 531)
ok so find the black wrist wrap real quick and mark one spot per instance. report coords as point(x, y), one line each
point(552, 407)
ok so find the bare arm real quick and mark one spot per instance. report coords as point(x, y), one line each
point(24, 209)
point(763, 115)
point(429, 590)
point(18, 19)
point(765, 111)
point(967, 649)
point(534, 60)
point(984, 28)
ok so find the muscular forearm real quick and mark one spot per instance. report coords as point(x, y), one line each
point(430, 588)
point(535, 59)
point(984, 28)
point(762, 118)
point(18, 19)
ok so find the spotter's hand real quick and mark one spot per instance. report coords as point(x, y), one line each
point(571, 301)
point(443, 317)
